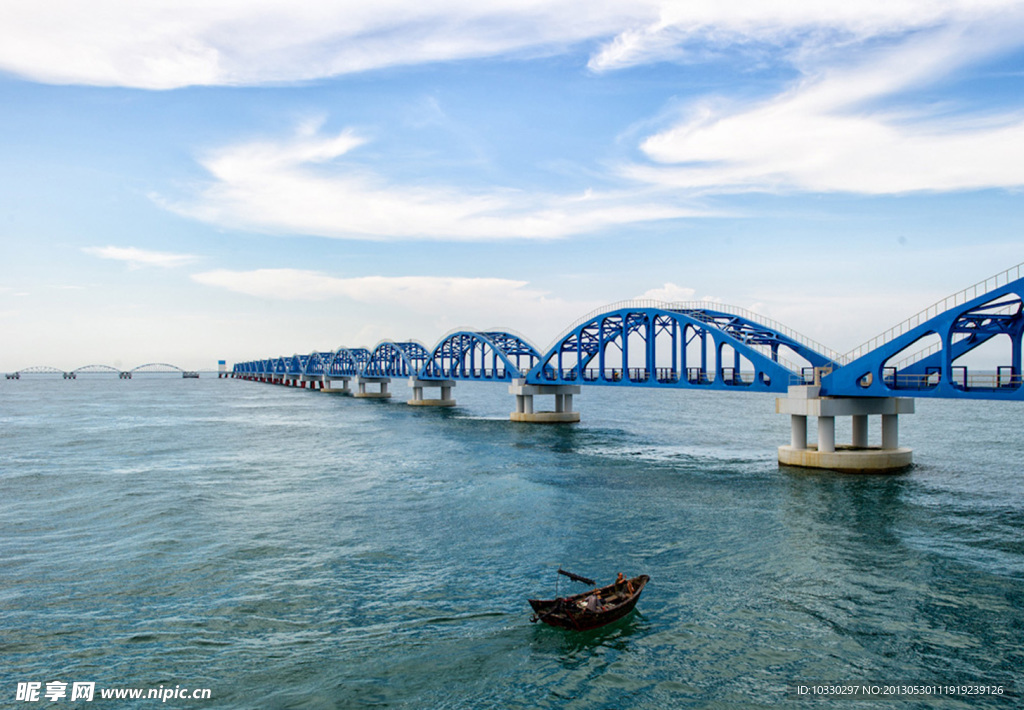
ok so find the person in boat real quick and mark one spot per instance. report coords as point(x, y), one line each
point(622, 583)
point(594, 603)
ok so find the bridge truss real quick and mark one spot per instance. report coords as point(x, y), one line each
point(700, 345)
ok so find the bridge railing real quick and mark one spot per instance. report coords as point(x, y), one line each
point(662, 375)
point(1002, 379)
point(478, 373)
point(957, 299)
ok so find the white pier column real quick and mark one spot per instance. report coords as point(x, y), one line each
point(860, 431)
point(826, 435)
point(805, 401)
point(525, 393)
point(890, 431)
point(362, 393)
point(798, 433)
point(327, 386)
point(417, 392)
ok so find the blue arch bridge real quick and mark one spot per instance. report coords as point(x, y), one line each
point(709, 346)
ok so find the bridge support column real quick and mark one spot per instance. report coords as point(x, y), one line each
point(798, 425)
point(361, 392)
point(310, 382)
point(524, 403)
point(826, 434)
point(417, 392)
point(859, 457)
point(860, 431)
point(327, 385)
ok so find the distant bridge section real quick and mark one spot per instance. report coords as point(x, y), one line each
point(155, 368)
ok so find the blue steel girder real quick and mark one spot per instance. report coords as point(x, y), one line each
point(598, 352)
point(934, 372)
point(293, 365)
point(391, 359)
point(347, 362)
point(492, 356)
point(753, 333)
point(316, 363)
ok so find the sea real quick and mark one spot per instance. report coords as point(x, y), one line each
point(272, 547)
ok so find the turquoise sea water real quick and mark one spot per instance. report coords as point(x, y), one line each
point(288, 549)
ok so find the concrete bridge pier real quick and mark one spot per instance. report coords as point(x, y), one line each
point(361, 383)
point(417, 392)
point(524, 403)
point(805, 401)
point(327, 385)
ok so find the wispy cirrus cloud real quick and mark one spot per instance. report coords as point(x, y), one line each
point(696, 30)
point(845, 126)
point(307, 184)
point(431, 303)
point(164, 44)
point(137, 258)
point(421, 292)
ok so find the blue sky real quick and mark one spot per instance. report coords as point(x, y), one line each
point(188, 182)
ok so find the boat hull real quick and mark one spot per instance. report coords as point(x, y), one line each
point(571, 612)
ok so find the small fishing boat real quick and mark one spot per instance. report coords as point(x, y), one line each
point(589, 610)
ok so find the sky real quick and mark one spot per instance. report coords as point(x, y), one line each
point(186, 182)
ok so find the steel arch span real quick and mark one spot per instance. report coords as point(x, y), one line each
point(674, 348)
point(156, 367)
point(39, 370)
point(316, 363)
point(492, 356)
point(391, 359)
point(347, 362)
point(923, 356)
point(97, 369)
point(279, 366)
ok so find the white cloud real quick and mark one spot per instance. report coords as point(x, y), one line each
point(418, 292)
point(683, 30)
point(840, 129)
point(303, 185)
point(163, 44)
point(137, 258)
point(399, 306)
point(669, 292)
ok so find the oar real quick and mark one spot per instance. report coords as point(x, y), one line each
point(577, 578)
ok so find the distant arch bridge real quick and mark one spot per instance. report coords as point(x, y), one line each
point(154, 368)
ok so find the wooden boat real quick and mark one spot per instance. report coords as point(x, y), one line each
point(580, 613)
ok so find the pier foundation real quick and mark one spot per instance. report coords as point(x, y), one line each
point(362, 393)
point(417, 393)
point(525, 412)
point(327, 385)
point(805, 401)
